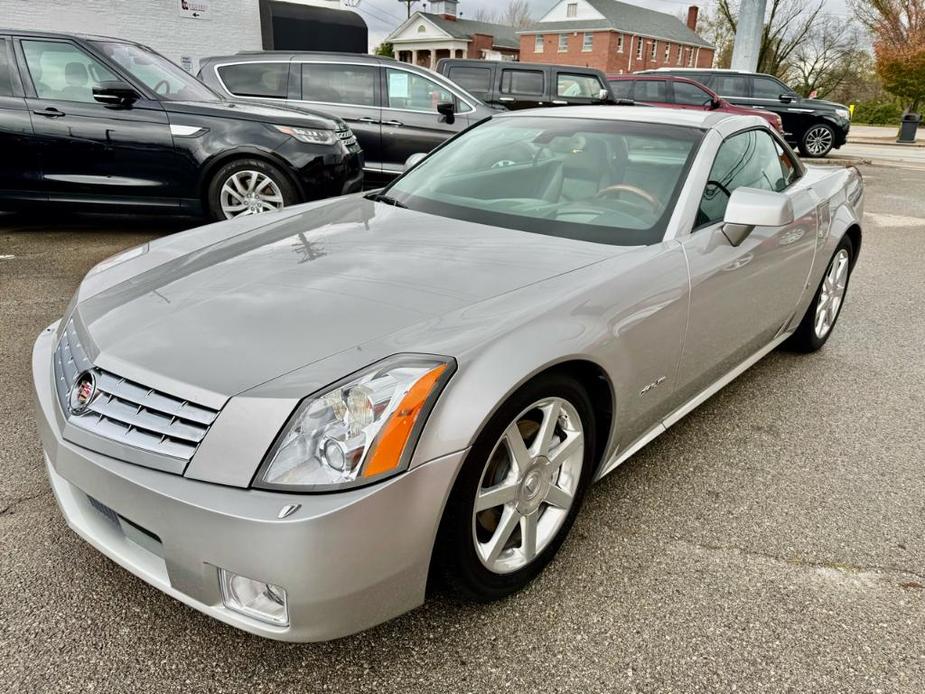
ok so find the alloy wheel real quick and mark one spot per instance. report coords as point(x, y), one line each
point(249, 192)
point(832, 293)
point(819, 141)
point(528, 485)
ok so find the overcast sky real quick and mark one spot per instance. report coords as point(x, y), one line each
point(382, 16)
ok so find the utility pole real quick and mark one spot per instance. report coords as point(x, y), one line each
point(408, 4)
point(748, 35)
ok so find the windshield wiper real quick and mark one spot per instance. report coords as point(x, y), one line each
point(383, 198)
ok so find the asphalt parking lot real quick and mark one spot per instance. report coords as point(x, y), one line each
point(772, 541)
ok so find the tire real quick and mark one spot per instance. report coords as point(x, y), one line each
point(808, 337)
point(817, 141)
point(272, 189)
point(465, 569)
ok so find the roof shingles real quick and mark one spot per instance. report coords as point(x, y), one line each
point(631, 19)
point(504, 36)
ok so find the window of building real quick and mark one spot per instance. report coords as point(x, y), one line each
point(747, 160)
point(340, 84)
point(60, 70)
point(563, 43)
point(680, 54)
point(667, 52)
point(690, 59)
point(619, 43)
point(412, 92)
point(538, 43)
point(256, 79)
point(571, 10)
point(525, 82)
point(422, 29)
point(588, 42)
point(654, 50)
point(638, 48)
point(475, 80)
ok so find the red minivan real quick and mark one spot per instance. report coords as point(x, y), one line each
point(679, 92)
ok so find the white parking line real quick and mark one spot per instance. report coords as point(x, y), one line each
point(7, 257)
point(895, 220)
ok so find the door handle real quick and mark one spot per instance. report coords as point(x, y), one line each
point(367, 119)
point(394, 123)
point(506, 98)
point(50, 112)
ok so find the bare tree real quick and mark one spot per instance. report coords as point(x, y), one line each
point(827, 57)
point(517, 14)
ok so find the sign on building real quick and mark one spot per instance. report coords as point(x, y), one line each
point(193, 9)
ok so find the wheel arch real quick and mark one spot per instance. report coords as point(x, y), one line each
point(211, 167)
point(853, 232)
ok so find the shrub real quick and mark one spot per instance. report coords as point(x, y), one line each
point(877, 113)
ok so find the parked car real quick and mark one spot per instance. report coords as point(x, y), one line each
point(667, 91)
point(395, 109)
point(815, 126)
point(511, 86)
point(106, 123)
point(290, 448)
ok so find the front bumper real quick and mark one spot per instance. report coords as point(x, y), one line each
point(324, 171)
point(347, 560)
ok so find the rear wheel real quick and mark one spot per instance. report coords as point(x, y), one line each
point(817, 141)
point(519, 490)
point(248, 186)
point(822, 314)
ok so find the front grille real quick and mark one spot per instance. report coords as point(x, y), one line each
point(346, 136)
point(127, 412)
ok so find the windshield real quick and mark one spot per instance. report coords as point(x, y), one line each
point(605, 181)
point(168, 81)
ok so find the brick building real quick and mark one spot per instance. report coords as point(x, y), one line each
point(426, 37)
point(614, 37)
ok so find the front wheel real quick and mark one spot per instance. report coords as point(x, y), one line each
point(519, 490)
point(817, 141)
point(248, 186)
point(820, 318)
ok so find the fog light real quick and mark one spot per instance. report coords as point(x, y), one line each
point(256, 599)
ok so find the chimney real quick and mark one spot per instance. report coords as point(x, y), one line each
point(692, 13)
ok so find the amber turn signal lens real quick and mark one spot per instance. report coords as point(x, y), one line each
point(397, 431)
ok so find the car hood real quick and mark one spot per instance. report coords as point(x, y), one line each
point(261, 113)
point(219, 315)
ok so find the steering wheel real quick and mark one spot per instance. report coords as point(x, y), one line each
point(165, 84)
point(625, 188)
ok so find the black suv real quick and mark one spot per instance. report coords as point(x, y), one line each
point(109, 123)
point(511, 86)
point(395, 109)
point(815, 126)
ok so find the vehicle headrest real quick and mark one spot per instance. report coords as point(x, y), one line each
point(76, 74)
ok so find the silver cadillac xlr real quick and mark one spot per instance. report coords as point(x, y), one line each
point(291, 421)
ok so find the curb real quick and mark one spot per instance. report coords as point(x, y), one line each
point(883, 141)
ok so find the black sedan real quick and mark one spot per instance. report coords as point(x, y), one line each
point(107, 123)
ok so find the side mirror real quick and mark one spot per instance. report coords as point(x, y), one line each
point(603, 95)
point(785, 98)
point(715, 104)
point(749, 208)
point(448, 111)
point(115, 93)
point(414, 160)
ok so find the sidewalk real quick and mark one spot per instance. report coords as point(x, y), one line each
point(882, 135)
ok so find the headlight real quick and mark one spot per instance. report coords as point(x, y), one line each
point(843, 113)
point(358, 431)
point(309, 135)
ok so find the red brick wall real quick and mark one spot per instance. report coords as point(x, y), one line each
point(479, 43)
point(605, 55)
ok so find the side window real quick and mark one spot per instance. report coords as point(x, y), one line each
point(788, 166)
point(6, 76)
point(412, 92)
point(652, 90)
point(586, 86)
point(622, 89)
point(767, 88)
point(61, 70)
point(526, 82)
point(746, 160)
point(730, 85)
point(475, 80)
point(256, 79)
point(340, 84)
point(687, 94)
